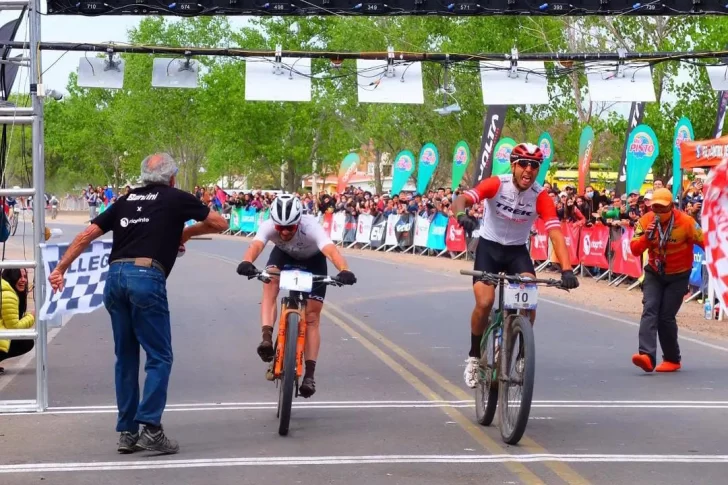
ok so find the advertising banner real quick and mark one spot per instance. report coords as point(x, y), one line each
point(422, 228)
point(404, 166)
point(460, 161)
point(493, 122)
point(346, 171)
point(436, 236)
point(643, 148)
point(456, 241)
point(364, 228)
point(546, 144)
point(586, 150)
point(624, 262)
point(594, 241)
point(683, 132)
point(502, 156)
point(378, 232)
point(429, 159)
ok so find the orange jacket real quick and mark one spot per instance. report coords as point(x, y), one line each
point(679, 251)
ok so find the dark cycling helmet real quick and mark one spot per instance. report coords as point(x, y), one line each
point(526, 151)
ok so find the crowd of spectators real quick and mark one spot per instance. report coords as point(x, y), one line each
point(590, 207)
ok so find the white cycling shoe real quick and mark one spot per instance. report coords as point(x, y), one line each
point(471, 372)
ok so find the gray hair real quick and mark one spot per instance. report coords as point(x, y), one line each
point(158, 168)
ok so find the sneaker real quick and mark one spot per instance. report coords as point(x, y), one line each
point(157, 442)
point(308, 388)
point(668, 366)
point(127, 442)
point(471, 372)
point(265, 351)
point(643, 362)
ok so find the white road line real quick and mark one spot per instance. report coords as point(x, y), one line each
point(353, 460)
point(257, 406)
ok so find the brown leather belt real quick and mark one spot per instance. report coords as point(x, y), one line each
point(144, 262)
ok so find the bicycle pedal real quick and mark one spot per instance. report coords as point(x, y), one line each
point(269, 375)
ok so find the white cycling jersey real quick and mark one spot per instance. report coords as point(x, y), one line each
point(308, 240)
point(510, 213)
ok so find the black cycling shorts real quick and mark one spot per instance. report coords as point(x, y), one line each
point(496, 258)
point(315, 264)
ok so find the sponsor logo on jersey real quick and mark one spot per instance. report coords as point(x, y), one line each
point(150, 196)
point(518, 212)
point(126, 222)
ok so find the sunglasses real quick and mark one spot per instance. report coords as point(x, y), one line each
point(290, 228)
point(528, 163)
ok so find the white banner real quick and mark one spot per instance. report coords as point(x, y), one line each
point(422, 230)
point(85, 279)
point(364, 228)
point(338, 225)
point(391, 238)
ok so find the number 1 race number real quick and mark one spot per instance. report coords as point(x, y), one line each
point(296, 280)
point(519, 296)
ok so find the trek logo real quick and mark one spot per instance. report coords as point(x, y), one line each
point(514, 211)
point(133, 197)
point(125, 222)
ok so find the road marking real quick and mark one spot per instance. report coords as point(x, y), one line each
point(634, 324)
point(563, 471)
point(526, 475)
point(254, 406)
point(475, 431)
point(354, 460)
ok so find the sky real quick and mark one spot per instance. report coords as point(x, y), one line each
point(73, 28)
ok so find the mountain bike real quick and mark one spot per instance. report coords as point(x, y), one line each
point(287, 366)
point(504, 369)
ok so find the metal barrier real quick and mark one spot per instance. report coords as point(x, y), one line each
point(34, 117)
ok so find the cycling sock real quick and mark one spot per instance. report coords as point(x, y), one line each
point(268, 333)
point(475, 345)
point(310, 369)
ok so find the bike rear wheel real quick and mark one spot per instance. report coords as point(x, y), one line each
point(288, 381)
point(486, 392)
point(516, 389)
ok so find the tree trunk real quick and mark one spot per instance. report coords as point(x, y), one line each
point(378, 186)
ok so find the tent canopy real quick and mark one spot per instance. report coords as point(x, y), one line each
point(703, 153)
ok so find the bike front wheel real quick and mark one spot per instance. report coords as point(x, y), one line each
point(486, 392)
point(516, 387)
point(288, 381)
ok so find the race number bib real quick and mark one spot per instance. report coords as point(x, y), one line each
point(296, 280)
point(518, 296)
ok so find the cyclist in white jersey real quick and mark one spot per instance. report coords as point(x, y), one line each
point(512, 202)
point(300, 242)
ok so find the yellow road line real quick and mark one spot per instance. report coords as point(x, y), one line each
point(564, 471)
point(526, 475)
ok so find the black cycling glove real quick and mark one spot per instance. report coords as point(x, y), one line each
point(246, 268)
point(569, 280)
point(467, 223)
point(346, 277)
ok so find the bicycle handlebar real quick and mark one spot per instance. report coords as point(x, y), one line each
point(265, 277)
point(495, 278)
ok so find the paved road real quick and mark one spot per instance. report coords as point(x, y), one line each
point(390, 406)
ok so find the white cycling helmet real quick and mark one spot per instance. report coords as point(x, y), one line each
point(286, 210)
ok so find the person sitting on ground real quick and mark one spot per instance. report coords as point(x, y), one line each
point(15, 313)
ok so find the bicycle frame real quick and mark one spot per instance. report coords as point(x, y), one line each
point(293, 303)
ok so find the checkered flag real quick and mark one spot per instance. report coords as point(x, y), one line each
point(85, 280)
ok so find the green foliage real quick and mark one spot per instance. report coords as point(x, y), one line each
point(100, 136)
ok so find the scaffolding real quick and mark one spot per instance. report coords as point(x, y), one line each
point(31, 116)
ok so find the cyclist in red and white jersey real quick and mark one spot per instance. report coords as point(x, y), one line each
point(512, 204)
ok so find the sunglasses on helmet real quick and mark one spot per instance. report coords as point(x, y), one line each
point(523, 163)
point(289, 228)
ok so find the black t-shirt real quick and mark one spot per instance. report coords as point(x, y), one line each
point(148, 223)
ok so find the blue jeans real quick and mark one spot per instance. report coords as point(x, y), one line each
point(136, 299)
